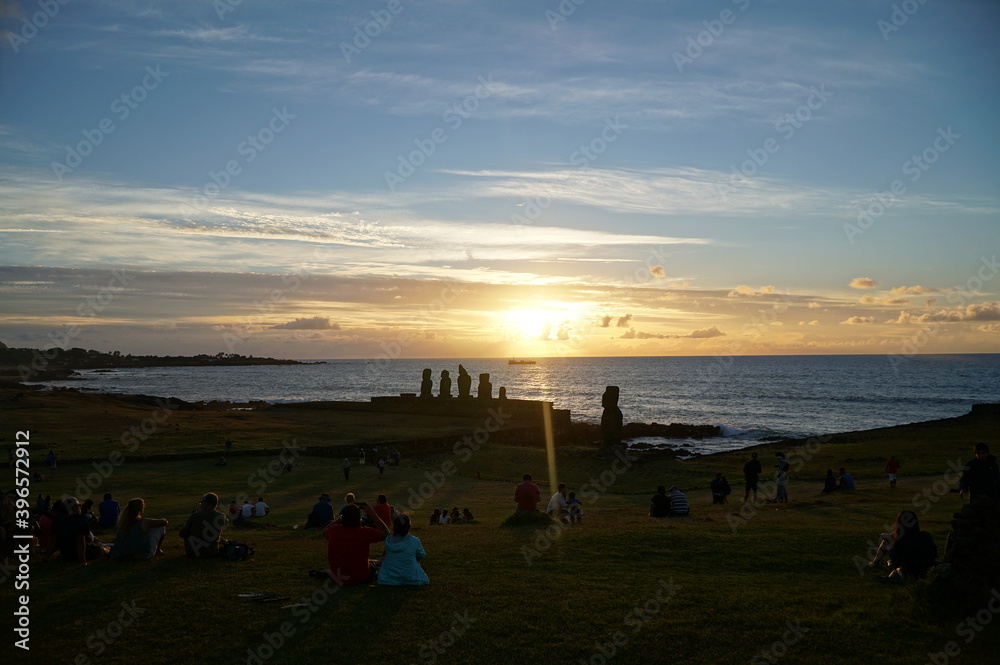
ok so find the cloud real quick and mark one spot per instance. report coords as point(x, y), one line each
point(989, 328)
point(858, 320)
point(912, 290)
point(813, 305)
point(704, 333)
point(657, 272)
point(744, 291)
point(312, 323)
point(868, 300)
point(863, 283)
point(623, 321)
point(605, 321)
point(986, 311)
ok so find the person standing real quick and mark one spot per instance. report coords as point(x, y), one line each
point(891, 467)
point(781, 478)
point(527, 495)
point(50, 459)
point(346, 466)
point(381, 466)
point(981, 475)
point(751, 473)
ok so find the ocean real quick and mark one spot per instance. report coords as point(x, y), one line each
point(750, 397)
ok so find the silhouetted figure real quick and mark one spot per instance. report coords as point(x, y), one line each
point(485, 387)
point(426, 385)
point(503, 393)
point(464, 383)
point(611, 419)
point(445, 384)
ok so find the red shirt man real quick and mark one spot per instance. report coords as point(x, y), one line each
point(348, 544)
point(527, 495)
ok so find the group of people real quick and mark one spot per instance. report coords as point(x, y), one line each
point(240, 515)
point(442, 516)
point(562, 506)
point(842, 483)
point(672, 504)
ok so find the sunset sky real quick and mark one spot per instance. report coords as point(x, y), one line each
point(487, 179)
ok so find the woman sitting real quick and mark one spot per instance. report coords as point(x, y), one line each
point(138, 537)
point(830, 482)
point(912, 552)
point(402, 552)
point(436, 517)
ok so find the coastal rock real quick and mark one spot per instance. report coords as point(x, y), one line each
point(671, 431)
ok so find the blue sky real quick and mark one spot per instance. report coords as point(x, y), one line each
point(488, 179)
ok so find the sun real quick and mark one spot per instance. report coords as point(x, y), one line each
point(536, 323)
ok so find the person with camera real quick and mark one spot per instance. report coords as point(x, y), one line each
point(349, 544)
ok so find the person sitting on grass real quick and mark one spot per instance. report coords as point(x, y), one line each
point(349, 543)
point(981, 475)
point(203, 529)
point(830, 482)
point(846, 481)
point(73, 537)
point(659, 505)
point(456, 516)
point(557, 508)
point(403, 551)
point(575, 508)
point(467, 515)
point(912, 552)
point(222, 461)
point(383, 508)
point(436, 517)
point(527, 495)
point(138, 537)
point(110, 511)
point(322, 513)
point(445, 517)
point(678, 503)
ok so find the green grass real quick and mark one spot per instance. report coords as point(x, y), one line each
point(734, 591)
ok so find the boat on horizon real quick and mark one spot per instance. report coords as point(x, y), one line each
point(521, 361)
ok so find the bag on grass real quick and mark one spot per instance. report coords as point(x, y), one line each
point(234, 551)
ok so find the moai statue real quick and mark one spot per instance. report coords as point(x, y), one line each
point(426, 385)
point(503, 393)
point(485, 387)
point(611, 419)
point(445, 384)
point(464, 383)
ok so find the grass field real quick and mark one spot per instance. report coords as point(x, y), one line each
point(778, 583)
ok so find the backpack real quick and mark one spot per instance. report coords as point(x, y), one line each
point(234, 551)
